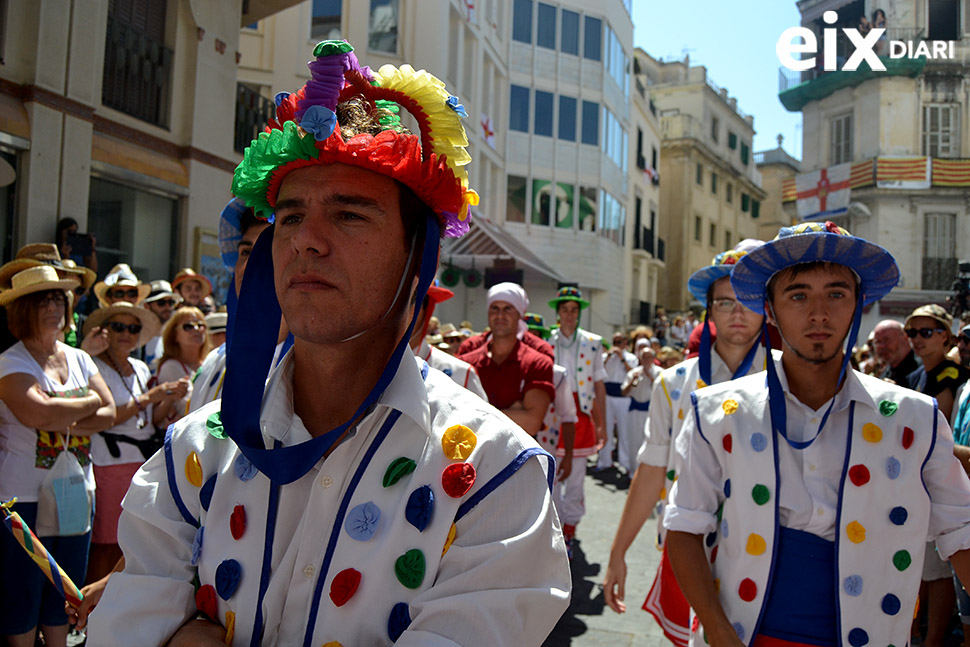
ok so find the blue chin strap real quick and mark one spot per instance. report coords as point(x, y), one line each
point(706, 348)
point(776, 394)
point(254, 331)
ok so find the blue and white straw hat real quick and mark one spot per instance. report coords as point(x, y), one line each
point(723, 264)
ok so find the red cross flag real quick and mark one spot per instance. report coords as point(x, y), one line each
point(823, 193)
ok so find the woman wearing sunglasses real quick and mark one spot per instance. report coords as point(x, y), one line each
point(928, 329)
point(185, 342)
point(118, 452)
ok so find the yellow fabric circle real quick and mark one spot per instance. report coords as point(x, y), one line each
point(756, 544)
point(193, 470)
point(452, 532)
point(680, 414)
point(663, 494)
point(458, 442)
point(871, 432)
point(856, 532)
point(230, 626)
point(701, 384)
point(729, 406)
point(333, 643)
point(717, 585)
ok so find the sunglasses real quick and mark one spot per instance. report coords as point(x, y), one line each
point(725, 305)
point(193, 325)
point(58, 299)
point(130, 293)
point(170, 303)
point(925, 333)
point(117, 326)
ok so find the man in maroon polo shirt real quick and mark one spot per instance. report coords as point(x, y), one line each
point(517, 378)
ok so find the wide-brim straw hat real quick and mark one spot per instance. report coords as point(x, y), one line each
point(40, 278)
point(161, 289)
point(188, 274)
point(150, 324)
point(36, 254)
point(120, 276)
point(216, 322)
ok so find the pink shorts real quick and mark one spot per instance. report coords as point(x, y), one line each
point(112, 483)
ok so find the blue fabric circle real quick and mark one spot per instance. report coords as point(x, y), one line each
point(319, 121)
point(758, 441)
point(739, 629)
point(891, 604)
point(243, 468)
point(361, 523)
point(724, 528)
point(420, 507)
point(898, 515)
point(727, 489)
point(205, 492)
point(852, 585)
point(711, 539)
point(424, 370)
point(398, 621)
point(681, 371)
point(892, 468)
point(197, 545)
point(858, 637)
point(227, 578)
point(675, 394)
point(447, 371)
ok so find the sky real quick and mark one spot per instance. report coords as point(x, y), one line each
point(735, 41)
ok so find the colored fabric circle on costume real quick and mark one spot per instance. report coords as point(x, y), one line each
point(193, 469)
point(681, 371)
point(856, 532)
point(760, 494)
point(362, 521)
point(908, 437)
point(671, 475)
point(727, 489)
point(197, 545)
point(420, 507)
point(871, 432)
point(898, 515)
point(205, 494)
point(858, 637)
point(213, 424)
point(758, 441)
point(344, 585)
point(727, 442)
point(902, 560)
point(711, 539)
point(724, 528)
point(458, 442)
point(892, 467)
point(739, 629)
point(398, 621)
point(243, 468)
point(205, 600)
point(228, 575)
point(398, 469)
point(714, 553)
point(452, 532)
point(675, 394)
point(747, 590)
point(888, 407)
point(859, 475)
point(729, 406)
point(700, 384)
point(332, 643)
point(457, 479)
point(409, 568)
point(237, 522)
point(230, 626)
point(852, 585)
point(756, 544)
point(680, 414)
point(891, 604)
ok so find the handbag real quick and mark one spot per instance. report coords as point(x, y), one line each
point(66, 500)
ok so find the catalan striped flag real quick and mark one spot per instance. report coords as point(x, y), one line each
point(903, 172)
point(863, 174)
point(951, 172)
point(788, 191)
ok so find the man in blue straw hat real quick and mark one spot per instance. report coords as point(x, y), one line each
point(735, 353)
point(809, 488)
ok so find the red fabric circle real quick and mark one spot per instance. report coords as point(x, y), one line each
point(727, 441)
point(908, 437)
point(205, 601)
point(747, 589)
point(859, 474)
point(344, 586)
point(714, 553)
point(237, 522)
point(457, 479)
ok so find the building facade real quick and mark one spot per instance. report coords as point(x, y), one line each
point(778, 170)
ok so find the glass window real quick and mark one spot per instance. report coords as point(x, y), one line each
point(755, 208)
point(592, 39)
point(732, 140)
point(382, 36)
point(745, 202)
point(941, 130)
point(715, 128)
point(727, 239)
point(546, 28)
point(697, 228)
point(8, 200)
point(569, 40)
point(700, 173)
point(587, 208)
point(713, 235)
point(840, 139)
point(542, 199)
point(944, 21)
point(564, 205)
point(713, 182)
point(519, 109)
point(522, 21)
point(567, 118)
point(939, 251)
point(515, 200)
point(744, 153)
point(591, 123)
point(543, 117)
point(325, 19)
point(729, 193)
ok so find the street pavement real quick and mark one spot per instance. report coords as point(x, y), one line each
point(589, 622)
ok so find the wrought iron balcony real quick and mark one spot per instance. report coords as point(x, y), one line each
point(137, 74)
point(253, 111)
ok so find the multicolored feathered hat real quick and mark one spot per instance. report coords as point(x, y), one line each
point(701, 281)
point(305, 132)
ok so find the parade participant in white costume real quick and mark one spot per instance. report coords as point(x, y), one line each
point(357, 498)
point(733, 354)
point(811, 489)
point(617, 362)
point(638, 386)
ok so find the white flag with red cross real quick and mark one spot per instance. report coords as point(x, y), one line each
point(824, 192)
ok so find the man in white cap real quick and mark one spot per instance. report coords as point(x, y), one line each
point(161, 301)
point(517, 378)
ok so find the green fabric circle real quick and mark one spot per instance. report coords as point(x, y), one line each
point(760, 494)
point(409, 568)
point(213, 425)
point(671, 474)
point(902, 560)
point(398, 469)
point(888, 407)
point(331, 47)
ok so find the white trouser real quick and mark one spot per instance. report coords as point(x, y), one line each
point(636, 434)
point(617, 413)
point(568, 495)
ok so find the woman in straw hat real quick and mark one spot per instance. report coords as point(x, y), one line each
point(118, 452)
point(51, 396)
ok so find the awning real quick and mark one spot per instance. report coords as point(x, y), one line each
point(487, 241)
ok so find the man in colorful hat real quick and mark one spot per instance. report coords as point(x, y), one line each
point(733, 354)
point(354, 497)
point(617, 362)
point(812, 497)
point(581, 354)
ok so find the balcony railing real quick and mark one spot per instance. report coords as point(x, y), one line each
point(253, 111)
point(137, 74)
